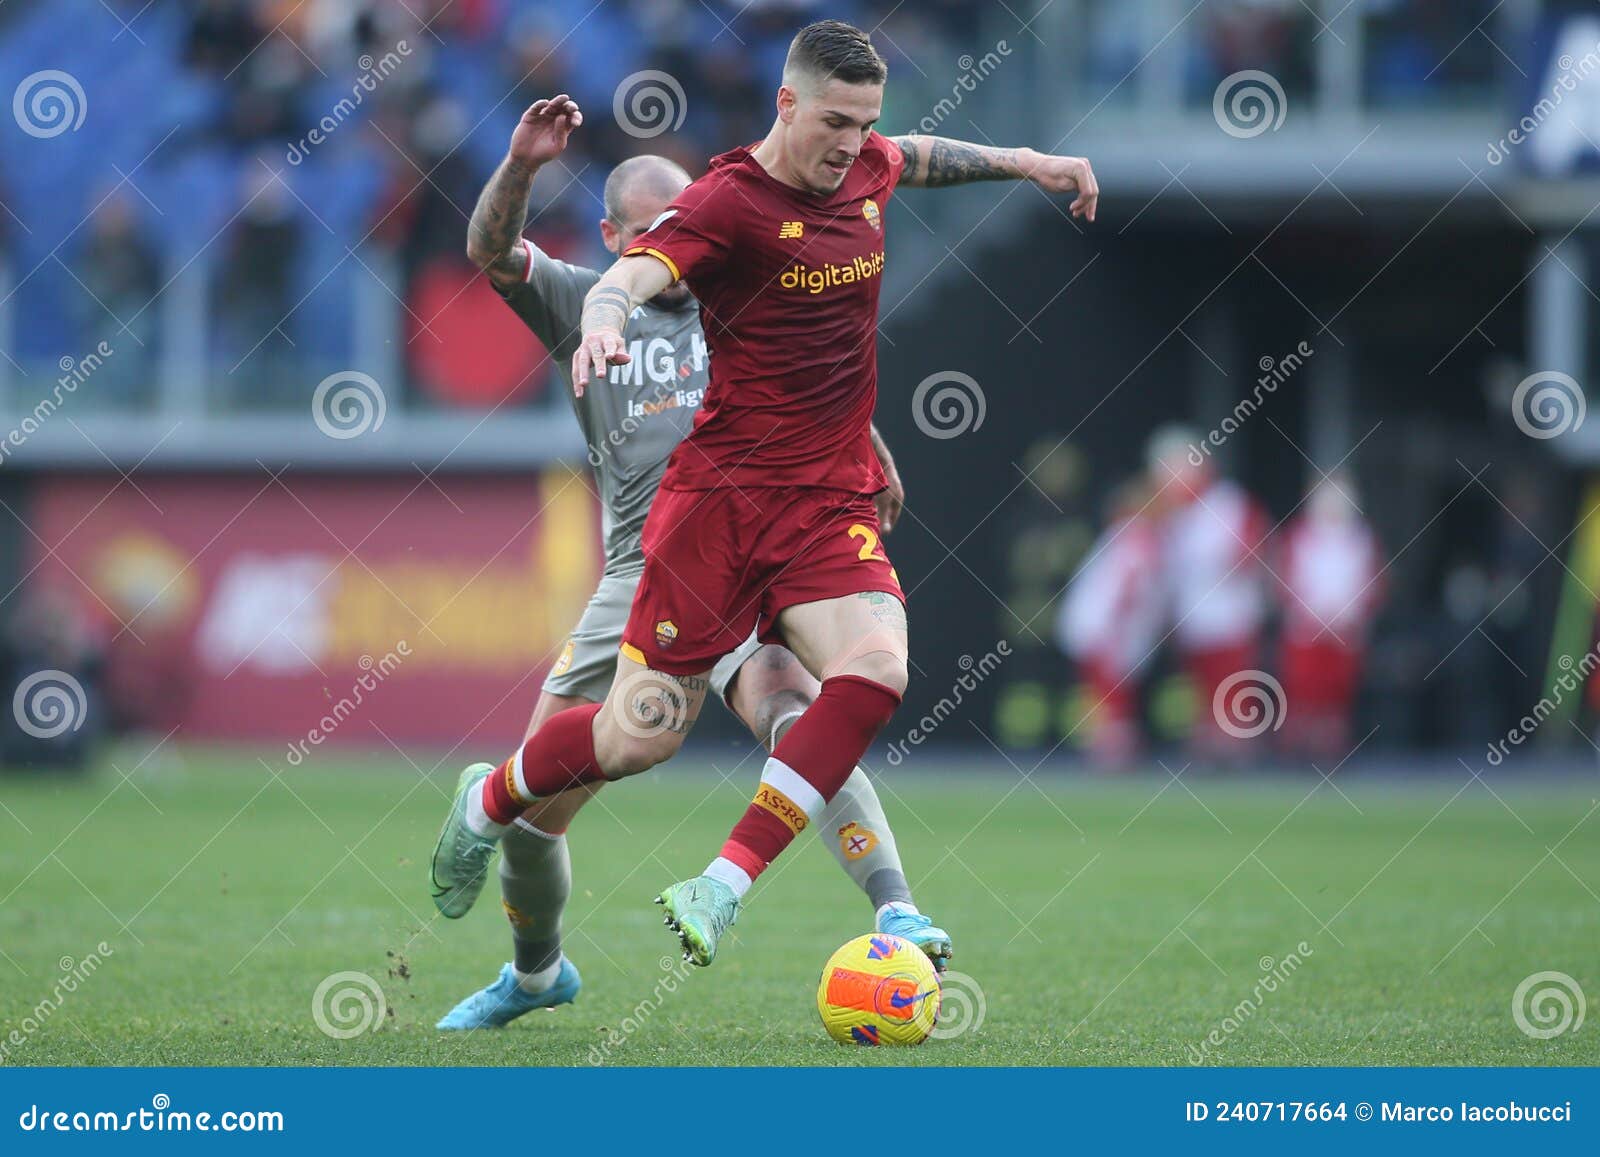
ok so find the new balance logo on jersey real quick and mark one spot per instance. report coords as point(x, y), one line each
point(789, 230)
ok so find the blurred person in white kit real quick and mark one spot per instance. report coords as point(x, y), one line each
point(1111, 619)
point(1331, 570)
point(1215, 578)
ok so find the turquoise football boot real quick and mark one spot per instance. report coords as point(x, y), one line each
point(461, 857)
point(504, 1000)
point(699, 911)
point(920, 930)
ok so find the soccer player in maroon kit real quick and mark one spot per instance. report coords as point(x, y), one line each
point(765, 517)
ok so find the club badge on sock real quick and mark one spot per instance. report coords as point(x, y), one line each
point(856, 841)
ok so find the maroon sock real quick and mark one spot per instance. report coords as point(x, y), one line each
point(557, 756)
point(822, 747)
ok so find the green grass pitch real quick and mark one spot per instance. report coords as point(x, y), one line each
point(1115, 922)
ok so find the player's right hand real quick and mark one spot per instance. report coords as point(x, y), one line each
point(598, 350)
point(542, 133)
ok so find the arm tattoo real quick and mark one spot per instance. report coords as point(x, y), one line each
point(957, 162)
point(607, 307)
point(912, 151)
point(495, 232)
point(932, 162)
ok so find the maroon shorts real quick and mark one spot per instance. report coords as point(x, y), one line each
point(718, 563)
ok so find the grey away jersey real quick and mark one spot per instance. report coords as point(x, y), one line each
point(634, 420)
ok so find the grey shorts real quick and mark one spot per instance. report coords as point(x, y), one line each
point(588, 663)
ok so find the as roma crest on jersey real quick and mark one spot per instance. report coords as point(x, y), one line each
point(869, 210)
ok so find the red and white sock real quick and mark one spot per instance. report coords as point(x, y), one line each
point(557, 756)
point(806, 770)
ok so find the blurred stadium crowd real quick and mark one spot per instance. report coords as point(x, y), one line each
point(285, 234)
point(1196, 617)
point(1190, 561)
point(236, 120)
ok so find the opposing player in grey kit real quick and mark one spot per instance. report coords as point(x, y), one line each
point(632, 423)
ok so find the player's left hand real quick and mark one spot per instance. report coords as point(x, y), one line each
point(1066, 175)
point(891, 500)
point(596, 353)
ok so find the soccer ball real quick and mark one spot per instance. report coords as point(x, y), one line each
point(879, 990)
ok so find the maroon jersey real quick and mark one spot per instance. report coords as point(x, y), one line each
point(788, 288)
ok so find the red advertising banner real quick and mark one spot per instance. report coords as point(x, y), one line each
point(312, 609)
